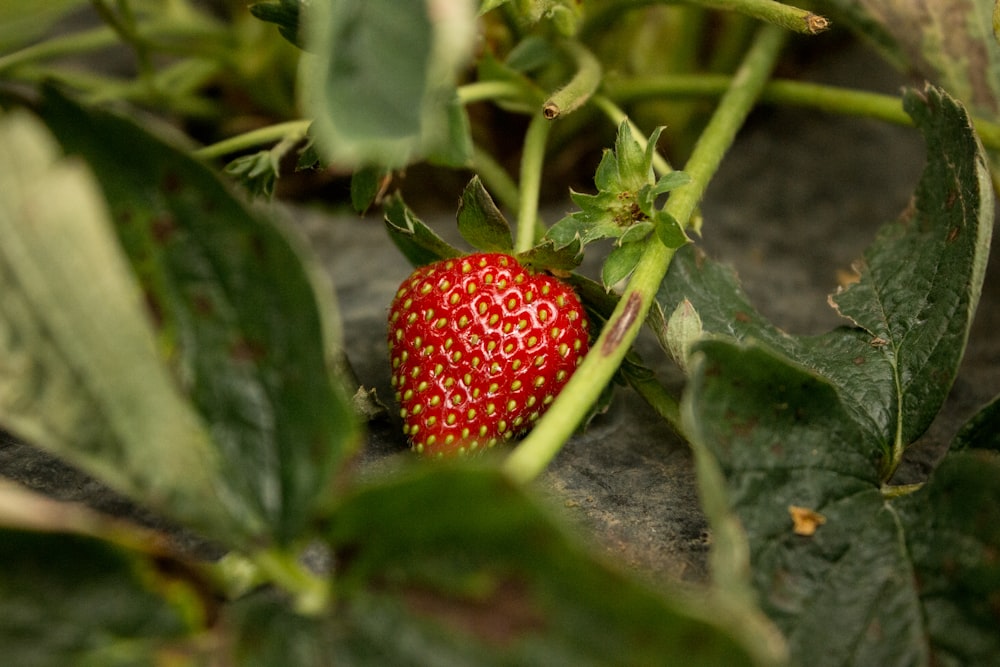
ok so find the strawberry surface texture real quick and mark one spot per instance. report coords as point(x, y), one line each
point(479, 348)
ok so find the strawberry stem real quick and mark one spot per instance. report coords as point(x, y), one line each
point(554, 429)
point(532, 159)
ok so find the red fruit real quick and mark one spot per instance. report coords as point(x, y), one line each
point(480, 347)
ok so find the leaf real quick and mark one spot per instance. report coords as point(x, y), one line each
point(367, 185)
point(982, 430)
point(480, 222)
point(498, 585)
point(950, 43)
point(418, 242)
point(24, 21)
point(815, 426)
point(244, 318)
point(79, 372)
point(619, 263)
point(284, 13)
point(77, 588)
point(920, 286)
point(669, 231)
point(381, 85)
point(545, 257)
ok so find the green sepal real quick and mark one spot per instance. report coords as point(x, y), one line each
point(480, 222)
point(418, 242)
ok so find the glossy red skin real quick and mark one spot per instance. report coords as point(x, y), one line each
point(479, 348)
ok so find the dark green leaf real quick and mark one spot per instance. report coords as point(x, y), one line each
point(77, 588)
point(284, 13)
point(498, 585)
point(480, 221)
point(393, 108)
point(606, 176)
point(418, 242)
point(620, 262)
point(671, 181)
point(242, 317)
point(982, 431)
point(258, 173)
point(366, 184)
point(636, 233)
point(808, 430)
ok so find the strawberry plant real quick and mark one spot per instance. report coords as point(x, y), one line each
point(167, 331)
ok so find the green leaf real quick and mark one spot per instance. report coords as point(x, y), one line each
point(257, 173)
point(808, 430)
point(920, 285)
point(77, 589)
point(545, 256)
point(418, 242)
point(381, 84)
point(284, 13)
point(480, 222)
point(619, 263)
point(633, 169)
point(244, 316)
point(982, 430)
point(366, 185)
point(499, 585)
point(79, 372)
point(669, 231)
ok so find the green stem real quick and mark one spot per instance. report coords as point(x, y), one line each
point(482, 91)
point(55, 47)
point(831, 99)
point(656, 395)
point(584, 83)
point(311, 592)
point(532, 159)
point(531, 457)
point(264, 135)
point(776, 13)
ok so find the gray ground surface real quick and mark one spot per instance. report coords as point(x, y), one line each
point(800, 196)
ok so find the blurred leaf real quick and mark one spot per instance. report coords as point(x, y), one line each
point(982, 430)
point(77, 588)
point(816, 426)
point(418, 242)
point(79, 373)
point(480, 222)
point(244, 317)
point(367, 185)
point(394, 108)
point(23, 21)
point(438, 583)
point(284, 13)
point(948, 42)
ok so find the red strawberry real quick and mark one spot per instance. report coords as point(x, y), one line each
point(480, 347)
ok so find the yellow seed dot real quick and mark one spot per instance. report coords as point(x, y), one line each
point(419, 447)
point(502, 283)
point(403, 413)
point(560, 375)
point(422, 386)
point(407, 304)
point(515, 364)
point(418, 341)
point(518, 421)
point(495, 368)
point(435, 400)
point(473, 339)
point(508, 348)
point(555, 331)
point(561, 300)
point(494, 387)
point(430, 440)
point(511, 304)
point(444, 285)
point(494, 318)
point(453, 299)
point(399, 334)
point(475, 392)
point(467, 379)
point(573, 316)
point(415, 372)
point(448, 343)
point(406, 429)
point(438, 369)
point(449, 382)
point(395, 317)
point(417, 409)
point(463, 321)
point(515, 385)
point(476, 361)
point(466, 267)
point(451, 419)
point(577, 344)
point(401, 292)
point(441, 323)
point(488, 279)
point(548, 399)
point(471, 414)
point(545, 289)
point(530, 403)
point(430, 421)
point(532, 341)
point(483, 307)
point(529, 296)
point(428, 314)
point(502, 426)
point(522, 325)
point(491, 345)
point(465, 431)
point(491, 408)
point(448, 439)
point(456, 399)
point(457, 354)
point(426, 288)
point(539, 380)
point(511, 405)
point(482, 431)
point(508, 327)
point(563, 349)
point(471, 287)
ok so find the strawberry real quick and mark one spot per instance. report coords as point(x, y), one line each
point(480, 347)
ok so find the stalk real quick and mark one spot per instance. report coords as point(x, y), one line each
point(531, 457)
point(264, 135)
point(775, 13)
point(532, 159)
point(579, 89)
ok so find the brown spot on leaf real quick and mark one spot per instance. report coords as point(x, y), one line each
point(805, 521)
point(953, 234)
point(499, 618)
point(621, 325)
point(742, 317)
point(171, 183)
point(246, 350)
point(859, 360)
point(163, 227)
